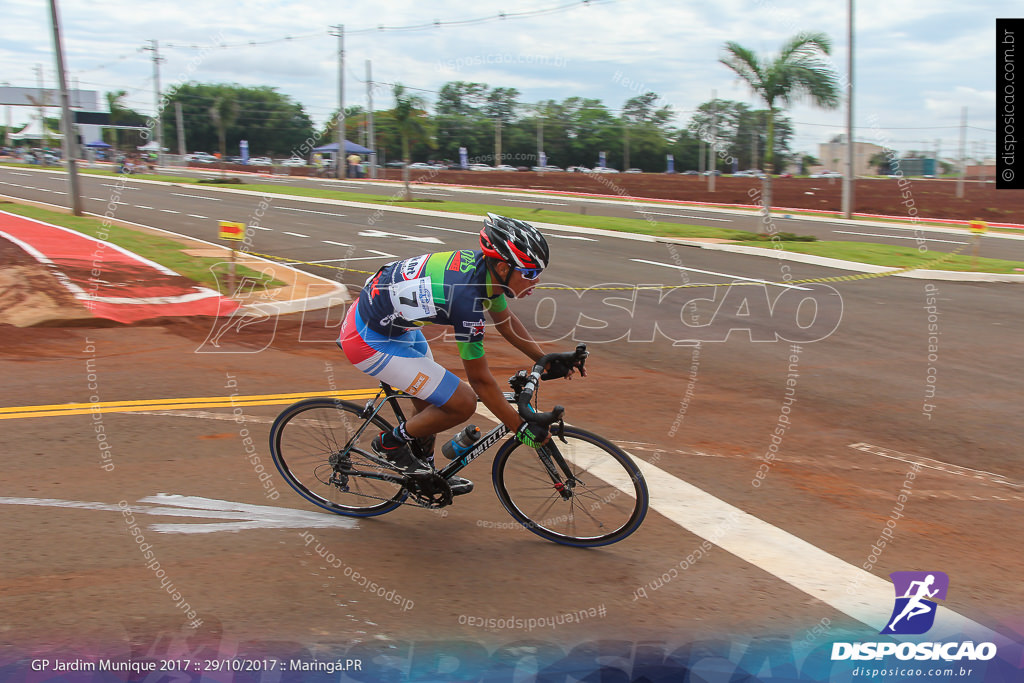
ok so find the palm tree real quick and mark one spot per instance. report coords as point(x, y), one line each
point(798, 71)
point(224, 112)
point(115, 101)
point(409, 118)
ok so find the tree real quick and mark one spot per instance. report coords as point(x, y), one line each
point(120, 115)
point(224, 112)
point(798, 71)
point(411, 120)
point(880, 160)
point(645, 131)
point(271, 122)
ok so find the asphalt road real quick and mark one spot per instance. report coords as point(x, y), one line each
point(882, 376)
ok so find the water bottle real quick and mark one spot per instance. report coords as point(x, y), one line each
point(462, 442)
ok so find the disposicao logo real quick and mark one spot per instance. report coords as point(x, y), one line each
point(914, 612)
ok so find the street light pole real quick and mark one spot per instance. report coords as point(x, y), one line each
point(848, 184)
point(67, 123)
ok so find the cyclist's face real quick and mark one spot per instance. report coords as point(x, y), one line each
point(518, 285)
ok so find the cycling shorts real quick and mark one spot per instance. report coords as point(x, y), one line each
point(404, 362)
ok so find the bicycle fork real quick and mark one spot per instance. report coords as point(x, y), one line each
point(550, 456)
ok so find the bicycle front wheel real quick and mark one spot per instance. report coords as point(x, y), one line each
point(307, 441)
point(603, 501)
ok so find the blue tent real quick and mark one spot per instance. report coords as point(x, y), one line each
point(96, 144)
point(349, 148)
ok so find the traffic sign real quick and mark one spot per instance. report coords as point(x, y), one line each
point(231, 231)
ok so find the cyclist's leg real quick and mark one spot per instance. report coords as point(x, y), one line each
point(443, 400)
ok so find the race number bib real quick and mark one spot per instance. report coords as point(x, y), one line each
point(413, 299)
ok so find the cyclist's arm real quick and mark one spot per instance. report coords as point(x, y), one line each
point(486, 387)
point(513, 330)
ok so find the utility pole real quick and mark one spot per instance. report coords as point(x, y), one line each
point(497, 140)
point(848, 184)
point(541, 157)
point(625, 145)
point(963, 160)
point(340, 170)
point(181, 128)
point(369, 120)
point(753, 146)
point(42, 102)
point(67, 122)
point(7, 128)
point(712, 152)
point(154, 47)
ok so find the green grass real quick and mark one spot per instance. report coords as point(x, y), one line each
point(167, 252)
point(903, 257)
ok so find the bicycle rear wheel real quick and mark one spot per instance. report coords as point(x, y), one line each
point(606, 498)
point(307, 440)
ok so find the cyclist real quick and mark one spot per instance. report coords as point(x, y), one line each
point(381, 338)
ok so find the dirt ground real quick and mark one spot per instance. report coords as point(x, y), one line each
point(931, 198)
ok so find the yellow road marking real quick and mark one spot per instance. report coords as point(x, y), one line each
point(56, 410)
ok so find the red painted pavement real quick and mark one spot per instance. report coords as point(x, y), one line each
point(109, 281)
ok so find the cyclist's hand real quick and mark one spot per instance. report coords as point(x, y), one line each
point(558, 369)
point(532, 435)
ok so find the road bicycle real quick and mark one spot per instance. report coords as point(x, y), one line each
point(577, 489)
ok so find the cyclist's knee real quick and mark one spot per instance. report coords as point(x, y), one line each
point(462, 404)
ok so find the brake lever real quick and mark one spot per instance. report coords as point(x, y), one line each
point(561, 430)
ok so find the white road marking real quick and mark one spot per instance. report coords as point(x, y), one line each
point(357, 258)
point(534, 201)
point(119, 187)
point(168, 211)
point(259, 227)
point(569, 237)
point(324, 213)
point(337, 244)
point(193, 215)
point(711, 272)
point(386, 235)
point(143, 206)
point(294, 234)
point(676, 215)
point(382, 253)
point(195, 196)
point(437, 227)
point(839, 584)
point(18, 173)
point(896, 237)
point(245, 516)
point(950, 468)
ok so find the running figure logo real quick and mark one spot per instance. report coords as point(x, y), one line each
point(913, 613)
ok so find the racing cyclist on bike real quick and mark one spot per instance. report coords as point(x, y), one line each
point(381, 335)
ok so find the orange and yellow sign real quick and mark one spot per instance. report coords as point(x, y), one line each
point(978, 227)
point(231, 231)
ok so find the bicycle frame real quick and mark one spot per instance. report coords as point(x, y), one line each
point(547, 454)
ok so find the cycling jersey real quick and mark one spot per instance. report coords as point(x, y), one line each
point(448, 288)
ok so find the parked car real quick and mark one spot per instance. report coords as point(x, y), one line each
point(261, 161)
point(202, 158)
point(690, 173)
point(547, 169)
point(633, 170)
point(827, 174)
point(480, 167)
point(505, 167)
point(604, 169)
point(420, 166)
point(294, 161)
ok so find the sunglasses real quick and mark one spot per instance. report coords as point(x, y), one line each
point(529, 273)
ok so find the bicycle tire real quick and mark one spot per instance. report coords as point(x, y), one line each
point(609, 483)
point(303, 438)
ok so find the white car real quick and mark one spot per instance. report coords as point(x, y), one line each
point(261, 161)
point(294, 161)
point(505, 167)
point(547, 169)
point(202, 158)
point(604, 169)
point(480, 167)
point(827, 174)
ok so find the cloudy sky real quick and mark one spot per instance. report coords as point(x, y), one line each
point(918, 62)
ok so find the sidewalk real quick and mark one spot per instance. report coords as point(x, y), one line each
point(108, 282)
